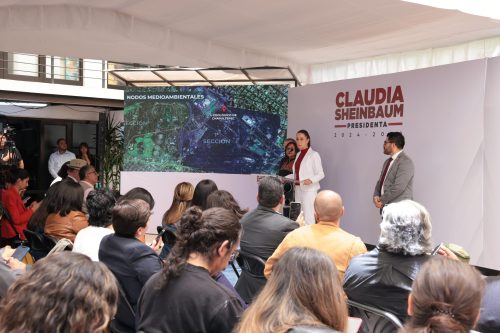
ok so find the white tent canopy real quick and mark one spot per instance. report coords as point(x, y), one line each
point(206, 33)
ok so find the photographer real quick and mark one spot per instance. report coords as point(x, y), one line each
point(9, 154)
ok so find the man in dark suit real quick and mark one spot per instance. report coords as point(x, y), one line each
point(263, 230)
point(131, 261)
point(396, 179)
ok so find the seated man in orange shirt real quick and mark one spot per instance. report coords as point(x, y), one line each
point(326, 235)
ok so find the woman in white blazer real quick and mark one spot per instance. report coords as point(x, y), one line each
point(307, 172)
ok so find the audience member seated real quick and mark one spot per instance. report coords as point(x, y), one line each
point(382, 278)
point(88, 178)
point(445, 297)
point(99, 204)
point(12, 226)
point(183, 194)
point(61, 174)
point(303, 294)
point(141, 194)
point(6, 176)
point(7, 277)
point(64, 292)
point(264, 229)
point(37, 221)
point(326, 235)
point(131, 261)
point(202, 191)
point(489, 320)
point(65, 217)
point(184, 297)
point(224, 199)
point(286, 163)
point(144, 195)
point(70, 170)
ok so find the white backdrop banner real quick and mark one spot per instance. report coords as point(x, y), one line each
point(440, 111)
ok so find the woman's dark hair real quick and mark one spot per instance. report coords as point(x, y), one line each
point(65, 292)
point(306, 133)
point(203, 233)
point(129, 215)
point(63, 170)
point(83, 144)
point(224, 199)
point(5, 175)
point(16, 173)
point(445, 297)
point(139, 193)
point(37, 221)
point(294, 144)
point(68, 197)
point(100, 204)
point(202, 191)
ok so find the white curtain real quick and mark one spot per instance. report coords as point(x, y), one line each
point(399, 62)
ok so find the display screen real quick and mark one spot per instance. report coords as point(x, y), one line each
point(229, 129)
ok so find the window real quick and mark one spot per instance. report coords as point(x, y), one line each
point(50, 69)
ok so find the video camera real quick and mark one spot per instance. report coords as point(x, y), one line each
point(8, 131)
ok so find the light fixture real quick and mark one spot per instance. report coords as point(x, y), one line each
point(23, 104)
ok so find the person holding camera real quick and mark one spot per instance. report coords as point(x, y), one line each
point(9, 154)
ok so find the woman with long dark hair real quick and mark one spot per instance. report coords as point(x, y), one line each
point(13, 226)
point(65, 217)
point(304, 291)
point(84, 154)
point(202, 191)
point(184, 297)
point(224, 199)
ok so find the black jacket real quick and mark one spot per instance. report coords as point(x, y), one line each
point(382, 280)
point(263, 230)
point(132, 263)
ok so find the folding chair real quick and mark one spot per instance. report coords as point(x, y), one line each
point(39, 243)
point(374, 320)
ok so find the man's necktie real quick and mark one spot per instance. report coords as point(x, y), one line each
point(382, 178)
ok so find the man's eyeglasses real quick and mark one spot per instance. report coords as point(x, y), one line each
point(387, 142)
point(88, 173)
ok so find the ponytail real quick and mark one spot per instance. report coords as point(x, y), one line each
point(200, 232)
point(176, 260)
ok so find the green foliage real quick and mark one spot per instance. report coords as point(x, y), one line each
point(113, 152)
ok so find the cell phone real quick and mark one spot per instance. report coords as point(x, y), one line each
point(436, 249)
point(295, 209)
point(20, 252)
point(25, 200)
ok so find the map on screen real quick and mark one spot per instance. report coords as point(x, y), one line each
point(225, 129)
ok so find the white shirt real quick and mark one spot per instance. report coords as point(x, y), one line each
point(56, 160)
point(88, 239)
